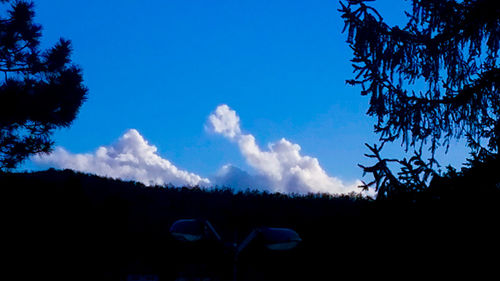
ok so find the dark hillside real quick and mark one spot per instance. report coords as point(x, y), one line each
point(67, 225)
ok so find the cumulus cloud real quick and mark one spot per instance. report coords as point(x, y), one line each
point(280, 168)
point(130, 158)
point(225, 121)
point(281, 165)
point(236, 178)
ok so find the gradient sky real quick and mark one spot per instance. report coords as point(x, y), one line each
point(162, 67)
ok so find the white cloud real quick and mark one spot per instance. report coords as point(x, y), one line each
point(130, 158)
point(235, 178)
point(281, 165)
point(225, 121)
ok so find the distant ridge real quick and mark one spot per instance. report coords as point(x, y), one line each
point(66, 224)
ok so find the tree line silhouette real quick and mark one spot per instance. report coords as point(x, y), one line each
point(66, 224)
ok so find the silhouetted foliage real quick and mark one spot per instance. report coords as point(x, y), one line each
point(431, 81)
point(75, 226)
point(413, 177)
point(480, 172)
point(39, 90)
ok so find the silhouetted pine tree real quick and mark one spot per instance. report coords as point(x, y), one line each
point(431, 81)
point(40, 90)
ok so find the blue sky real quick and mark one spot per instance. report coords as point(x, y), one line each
point(162, 67)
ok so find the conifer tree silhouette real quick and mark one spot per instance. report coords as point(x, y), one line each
point(431, 81)
point(40, 90)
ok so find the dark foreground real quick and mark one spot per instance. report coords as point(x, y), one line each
point(61, 225)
